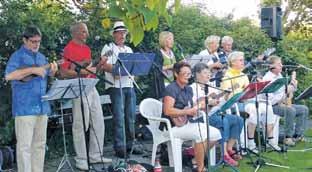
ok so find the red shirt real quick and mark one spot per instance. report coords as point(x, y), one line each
point(80, 53)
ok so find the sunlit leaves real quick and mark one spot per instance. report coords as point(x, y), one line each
point(151, 4)
point(136, 29)
point(106, 23)
point(116, 12)
point(140, 15)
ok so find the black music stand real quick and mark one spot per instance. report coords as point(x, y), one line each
point(306, 94)
point(68, 89)
point(131, 64)
point(271, 88)
point(251, 91)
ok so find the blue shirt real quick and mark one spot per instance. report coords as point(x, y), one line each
point(182, 96)
point(26, 96)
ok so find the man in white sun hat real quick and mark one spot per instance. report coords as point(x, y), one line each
point(123, 109)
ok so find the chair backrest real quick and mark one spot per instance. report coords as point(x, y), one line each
point(150, 107)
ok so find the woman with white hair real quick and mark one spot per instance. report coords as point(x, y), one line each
point(212, 45)
point(239, 82)
point(229, 125)
point(214, 63)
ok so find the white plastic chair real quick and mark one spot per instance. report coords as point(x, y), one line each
point(151, 109)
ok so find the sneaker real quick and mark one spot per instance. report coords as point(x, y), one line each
point(289, 142)
point(252, 146)
point(274, 147)
point(299, 139)
point(101, 160)
point(230, 161)
point(244, 152)
point(235, 155)
point(82, 166)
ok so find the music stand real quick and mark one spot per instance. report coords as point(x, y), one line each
point(131, 64)
point(223, 107)
point(194, 59)
point(251, 91)
point(306, 94)
point(67, 89)
point(135, 64)
point(271, 88)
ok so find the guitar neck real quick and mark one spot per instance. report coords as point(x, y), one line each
point(46, 66)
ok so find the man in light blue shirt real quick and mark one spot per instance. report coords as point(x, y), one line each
point(28, 70)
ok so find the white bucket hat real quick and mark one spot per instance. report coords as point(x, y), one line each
point(119, 26)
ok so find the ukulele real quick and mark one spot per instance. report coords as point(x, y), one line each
point(93, 62)
point(290, 94)
point(46, 67)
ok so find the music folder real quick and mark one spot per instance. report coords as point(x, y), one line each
point(137, 64)
point(253, 89)
point(273, 86)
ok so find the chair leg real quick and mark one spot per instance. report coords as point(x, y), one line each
point(177, 154)
point(276, 130)
point(213, 156)
point(170, 154)
point(154, 154)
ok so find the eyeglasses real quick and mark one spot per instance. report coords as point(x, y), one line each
point(186, 74)
point(34, 41)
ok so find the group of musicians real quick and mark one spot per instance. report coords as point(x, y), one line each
point(28, 70)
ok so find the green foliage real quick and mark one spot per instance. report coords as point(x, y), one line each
point(191, 28)
point(138, 15)
point(296, 48)
point(189, 25)
point(53, 21)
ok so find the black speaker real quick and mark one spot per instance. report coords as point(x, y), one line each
point(271, 21)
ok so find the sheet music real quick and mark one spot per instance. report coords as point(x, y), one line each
point(59, 87)
point(194, 59)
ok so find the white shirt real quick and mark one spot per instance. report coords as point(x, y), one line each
point(125, 80)
point(279, 95)
point(198, 92)
point(206, 53)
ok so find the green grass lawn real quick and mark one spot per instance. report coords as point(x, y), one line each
point(297, 161)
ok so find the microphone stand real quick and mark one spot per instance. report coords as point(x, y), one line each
point(78, 69)
point(122, 66)
point(89, 71)
point(260, 162)
point(221, 162)
point(207, 123)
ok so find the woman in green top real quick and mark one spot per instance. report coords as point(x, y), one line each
point(164, 60)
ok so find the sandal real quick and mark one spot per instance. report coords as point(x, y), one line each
point(196, 170)
point(235, 155)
